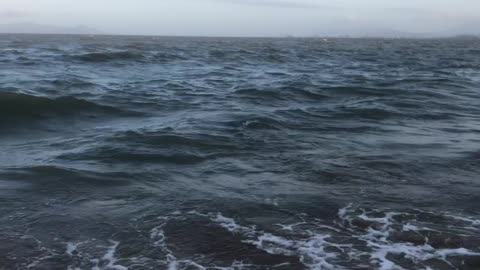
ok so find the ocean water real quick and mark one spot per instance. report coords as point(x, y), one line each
point(221, 153)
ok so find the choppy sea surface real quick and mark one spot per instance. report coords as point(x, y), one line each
point(221, 153)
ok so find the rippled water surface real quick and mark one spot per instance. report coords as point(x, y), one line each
point(201, 153)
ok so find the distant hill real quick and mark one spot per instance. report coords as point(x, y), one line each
point(33, 28)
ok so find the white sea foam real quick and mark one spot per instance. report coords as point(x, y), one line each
point(410, 228)
point(196, 213)
point(158, 236)
point(343, 212)
point(358, 237)
point(71, 247)
point(319, 251)
point(231, 225)
point(290, 227)
point(272, 201)
point(227, 223)
point(108, 260)
point(377, 238)
point(312, 251)
point(174, 264)
point(472, 221)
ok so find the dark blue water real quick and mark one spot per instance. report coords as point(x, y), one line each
point(201, 153)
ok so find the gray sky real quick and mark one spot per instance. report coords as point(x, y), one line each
point(251, 17)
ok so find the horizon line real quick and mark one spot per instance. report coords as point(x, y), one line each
point(343, 36)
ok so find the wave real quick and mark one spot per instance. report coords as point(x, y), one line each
point(71, 82)
point(109, 154)
point(238, 55)
point(227, 55)
point(171, 138)
point(164, 57)
point(372, 113)
point(56, 176)
point(254, 122)
point(377, 110)
point(158, 147)
point(98, 57)
point(284, 93)
point(17, 106)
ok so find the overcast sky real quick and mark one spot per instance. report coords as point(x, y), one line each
point(251, 17)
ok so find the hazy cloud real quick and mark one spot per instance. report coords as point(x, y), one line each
point(45, 29)
point(252, 17)
point(13, 14)
point(278, 4)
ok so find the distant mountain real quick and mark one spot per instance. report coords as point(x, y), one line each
point(33, 28)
